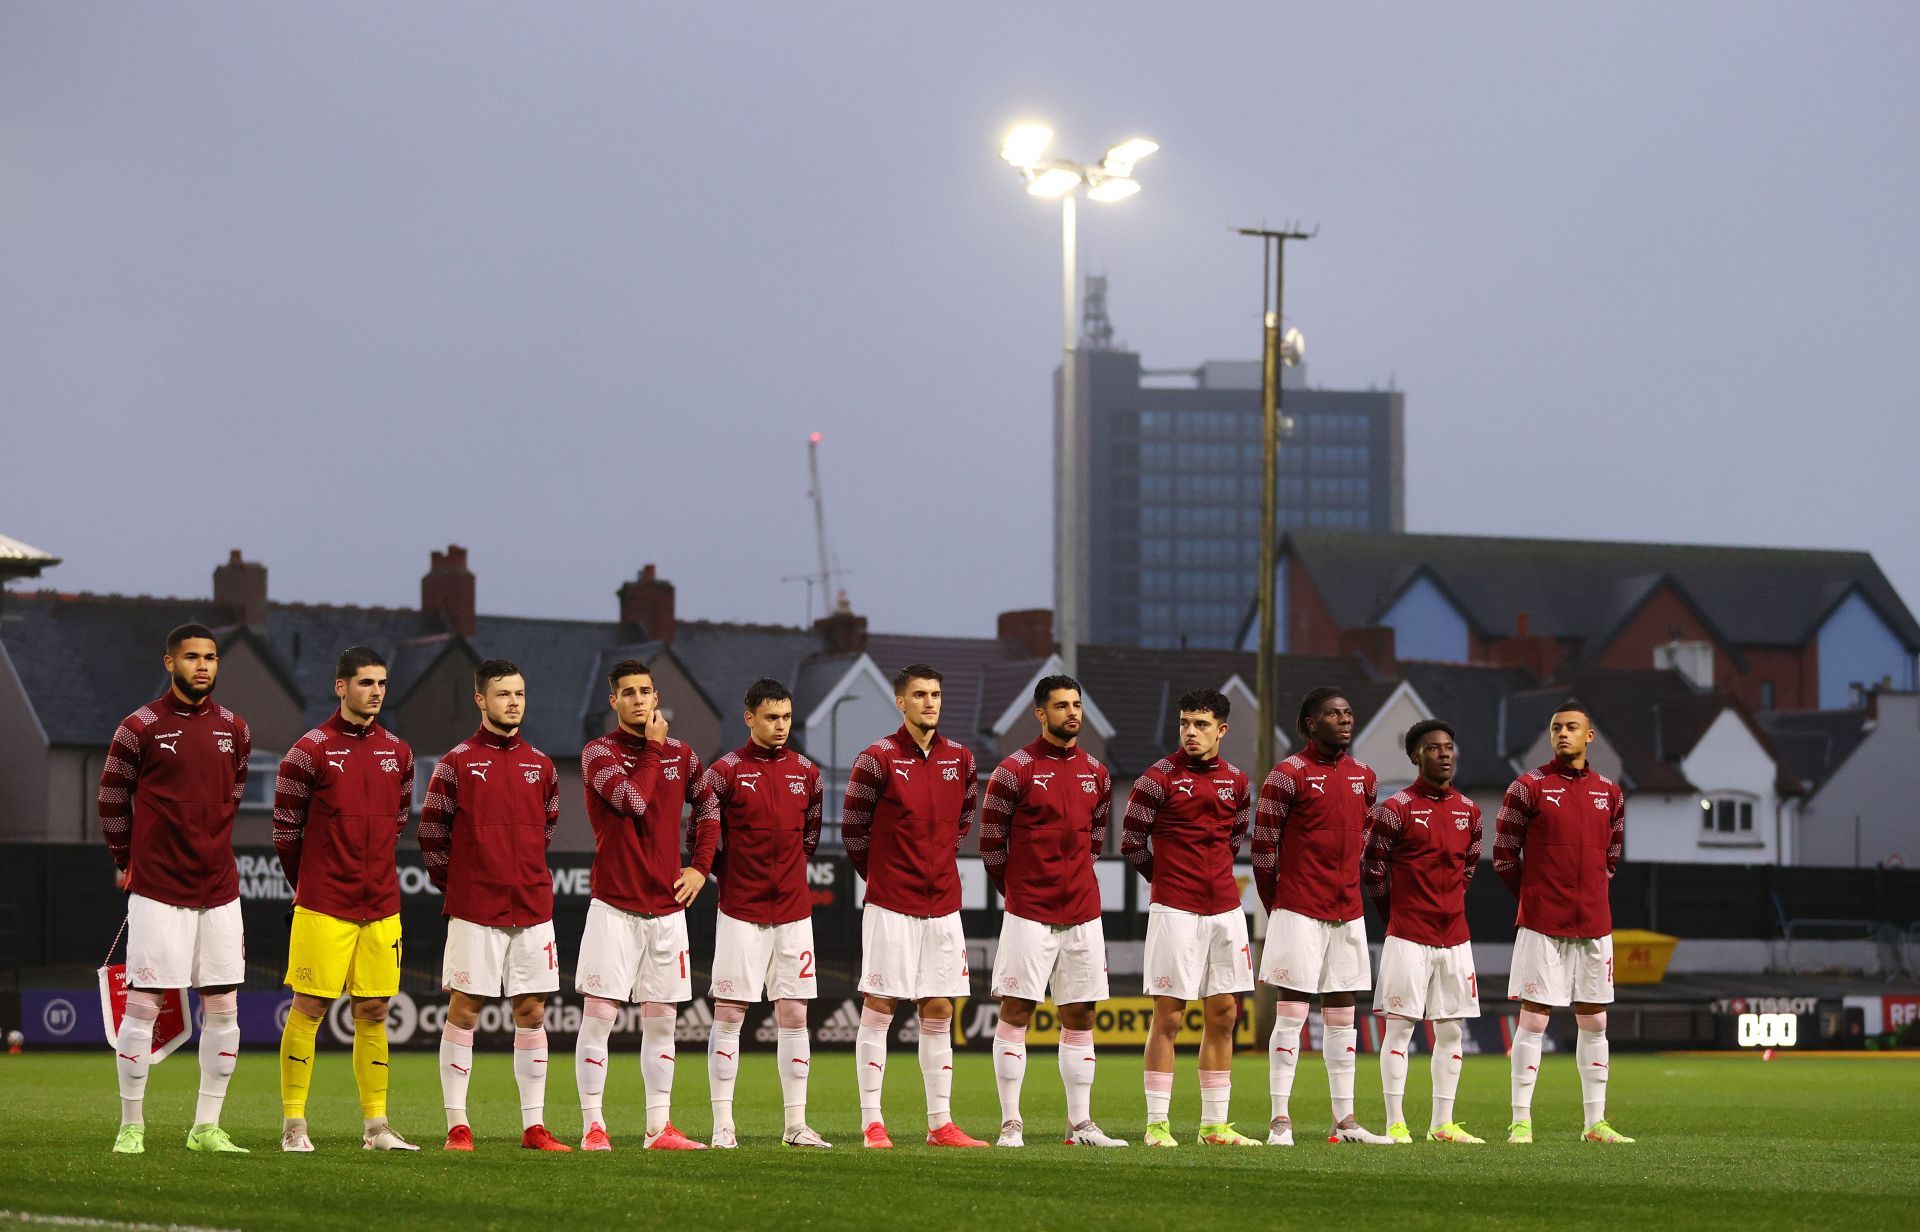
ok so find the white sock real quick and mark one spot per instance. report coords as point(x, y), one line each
point(1592, 1054)
point(1339, 1041)
point(796, 1061)
point(870, 1062)
point(456, 1067)
point(1216, 1095)
point(1009, 1068)
point(530, 1073)
point(1447, 1038)
point(590, 1069)
point(1393, 1067)
point(656, 1065)
point(1526, 1071)
point(219, 1052)
point(936, 1069)
point(1159, 1086)
point(1283, 1053)
point(1076, 1074)
point(134, 1056)
point(723, 1069)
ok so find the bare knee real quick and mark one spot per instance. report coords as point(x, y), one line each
point(1016, 1012)
point(370, 1009)
point(791, 1015)
point(1168, 1013)
point(880, 1005)
point(529, 1010)
point(938, 1009)
point(1222, 1013)
point(1077, 1017)
point(463, 1010)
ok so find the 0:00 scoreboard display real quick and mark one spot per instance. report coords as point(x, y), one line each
point(1779, 1022)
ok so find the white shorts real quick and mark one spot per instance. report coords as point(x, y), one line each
point(628, 957)
point(184, 947)
point(1561, 970)
point(1071, 960)
point(1315, 956)
point(777, 959)
point(483, 961)
point(912, 957)
point(1192, 956)
point(1427, 981)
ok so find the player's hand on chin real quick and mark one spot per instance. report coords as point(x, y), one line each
point(686, 887)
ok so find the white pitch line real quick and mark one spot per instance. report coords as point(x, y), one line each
point(82, 1221)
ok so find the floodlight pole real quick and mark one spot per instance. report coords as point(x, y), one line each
point(1066, 521)
point(1273, 246)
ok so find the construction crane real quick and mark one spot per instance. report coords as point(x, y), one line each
point(824, 578)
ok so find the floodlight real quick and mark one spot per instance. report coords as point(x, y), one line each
point(1054, 182)
point(1025, 144)
point(1111, 189)
point(1121, 158)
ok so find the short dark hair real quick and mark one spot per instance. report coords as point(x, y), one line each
point(493, 669)
point(766, 689)
point(912, 672)
point(1311, 703)
point(1573, 703)
point(353, 658)
point(625, 668)
point(1423, 729)
point(1049, 685)
point(1212, 701)
point(188, 633)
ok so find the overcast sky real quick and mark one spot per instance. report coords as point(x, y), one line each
point(570, 284)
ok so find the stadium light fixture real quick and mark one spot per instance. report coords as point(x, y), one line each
point(1024, 148)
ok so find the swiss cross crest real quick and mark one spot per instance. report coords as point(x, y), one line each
point(532, 776)
point(1459, 821)
point(226, 744)
point(723, 986)
point(1226, 796)
point(671, 770)
point(1012, 983)
point(1163, 983)
point(390, 764)
point(950, 774)
point(1600, 803)
point(1359, 788)
point(1396, 1003)
point(796, 787)
point(1086, 785)
point(592, 983)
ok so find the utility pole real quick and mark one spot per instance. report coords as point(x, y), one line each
point(1273, 245)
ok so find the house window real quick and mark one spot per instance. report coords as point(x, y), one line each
point(1726, 819)
point(262, 769)
point(1766, 695)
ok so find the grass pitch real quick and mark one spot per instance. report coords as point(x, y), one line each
point(1723, 1142)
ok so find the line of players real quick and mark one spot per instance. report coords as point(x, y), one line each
point(177, 768)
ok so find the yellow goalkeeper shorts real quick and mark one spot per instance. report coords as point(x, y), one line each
point(326, 955)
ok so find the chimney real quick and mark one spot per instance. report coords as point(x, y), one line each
point(1032, 628)
point(446, 591)
point(845, 633)
point(1375, 644)
point(647, 604)
point(1520, 623)
point(241, 587)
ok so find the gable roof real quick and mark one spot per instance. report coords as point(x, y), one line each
point(1583, 589)
point(1814, 744)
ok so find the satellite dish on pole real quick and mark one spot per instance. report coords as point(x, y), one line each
point(1293, 348)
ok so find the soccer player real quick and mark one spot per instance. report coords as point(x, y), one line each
point(340, 804)
point(1557, 840)
point(634, 947)
point(911, 798)
point(758, 822)
point(1044, 821)
point(168, 794)
point(1422, 847)
point(1306, 864)
point(1186, 819)
point(491, 807)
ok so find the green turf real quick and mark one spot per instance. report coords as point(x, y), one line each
point(1733, 1142)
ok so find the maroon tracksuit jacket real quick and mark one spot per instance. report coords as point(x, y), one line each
point(1558, 839)
point(1422, 847)
point(1043, 823)
point(340, 804)
point(635, 789)
point(756, 824)
point(1307, 835)
point(168, 794)
point(906, 815)
point(1185, 823)
point(491, 807)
